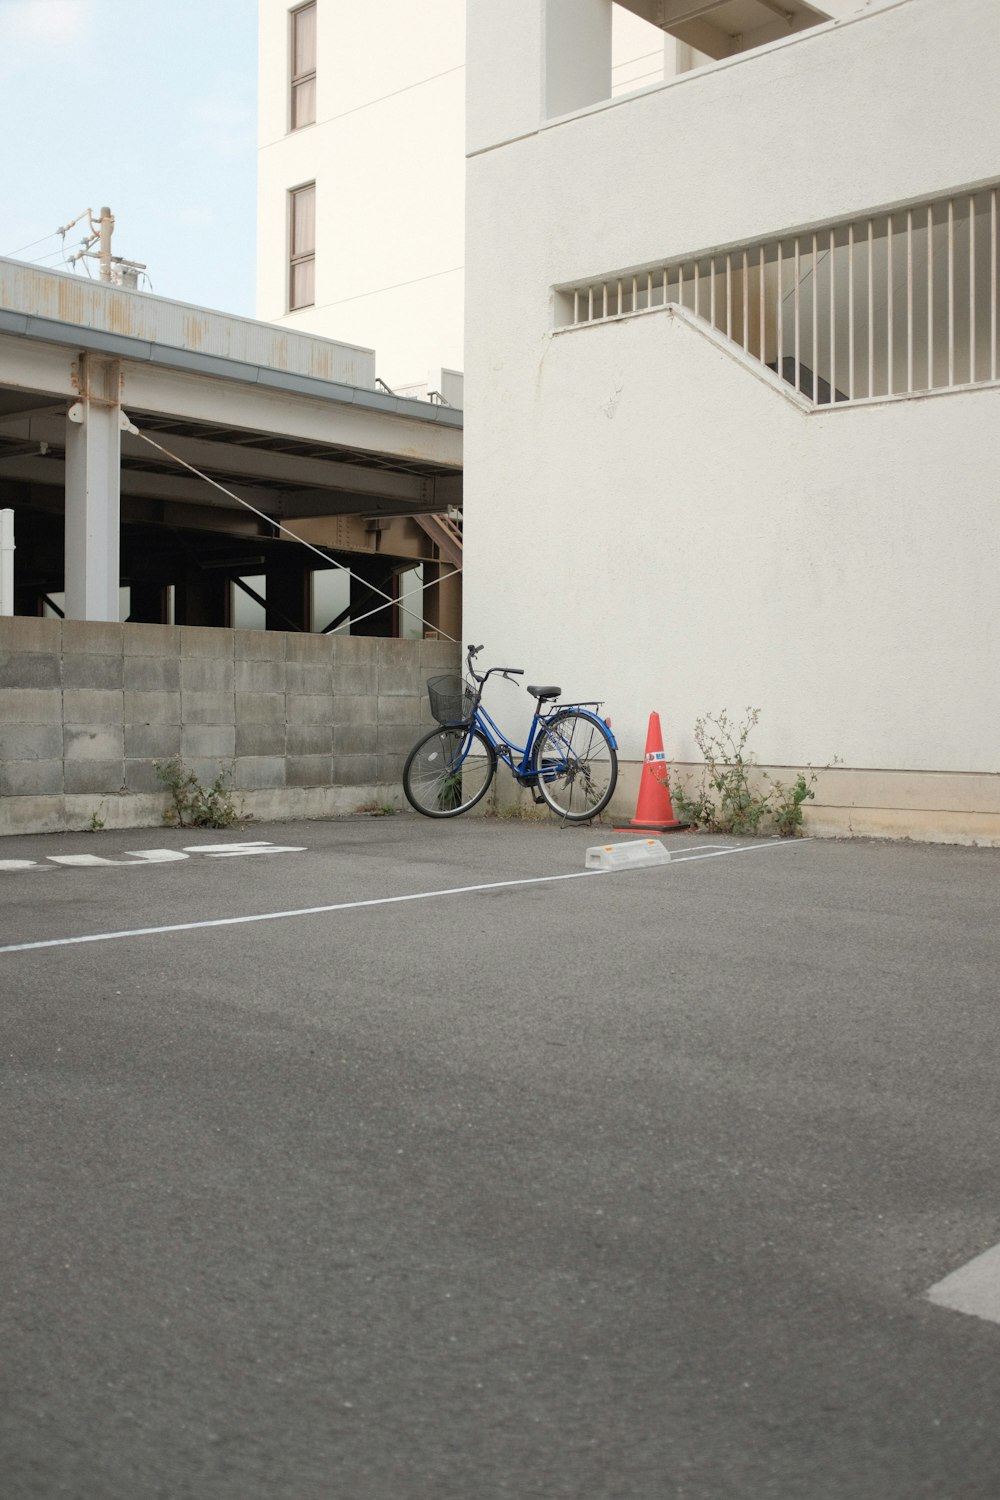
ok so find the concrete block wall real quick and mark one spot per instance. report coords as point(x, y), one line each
point(306, 725)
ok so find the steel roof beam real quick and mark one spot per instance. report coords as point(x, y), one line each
point(282, 468)
point(238, 461)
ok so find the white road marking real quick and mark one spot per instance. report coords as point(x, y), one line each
point(275, 916)
point(974, 1288)
point(229, 851)
point(315, 911)
point(713, 852)
point(84, 861)
point(153, 856)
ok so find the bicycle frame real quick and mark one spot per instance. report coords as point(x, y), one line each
point(506, 748)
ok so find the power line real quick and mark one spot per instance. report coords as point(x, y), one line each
point(640, 57)
point(59, 255)
point(374, 291)
point(62, 231)
point(12, 253)
point(370, 103)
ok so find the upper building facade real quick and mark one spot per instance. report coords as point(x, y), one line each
point(360, 231)
point(361, 180)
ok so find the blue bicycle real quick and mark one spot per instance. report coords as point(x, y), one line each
point(570, 760)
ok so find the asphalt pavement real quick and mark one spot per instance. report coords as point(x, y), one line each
point(389, 1159)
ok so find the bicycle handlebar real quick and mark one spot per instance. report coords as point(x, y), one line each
point(504, 671)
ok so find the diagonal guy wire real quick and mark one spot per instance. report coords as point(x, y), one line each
point(270, 521)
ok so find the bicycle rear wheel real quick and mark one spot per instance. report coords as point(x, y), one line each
point(448, 771)
point(577, 766)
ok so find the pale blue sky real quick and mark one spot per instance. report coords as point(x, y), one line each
point(148, 106)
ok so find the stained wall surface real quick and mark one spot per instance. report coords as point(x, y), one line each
point(302, 725)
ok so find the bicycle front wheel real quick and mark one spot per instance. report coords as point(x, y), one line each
point(448, 771)
point(577, 766)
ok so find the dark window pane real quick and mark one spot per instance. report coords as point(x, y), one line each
point(303, 291)
point(303, 80)
point(304, 221)
point(304, 41)
point(304, 103)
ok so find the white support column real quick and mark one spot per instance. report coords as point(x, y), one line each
point(93, 493)
point(577, 58)
point(531, 60)
point(6, 562)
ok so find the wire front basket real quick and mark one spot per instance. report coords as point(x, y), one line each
point(453, 700)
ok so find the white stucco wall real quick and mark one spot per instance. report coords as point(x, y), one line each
point(649, 521)
point(785, 138)
point(836, 569)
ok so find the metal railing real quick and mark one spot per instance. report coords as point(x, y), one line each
point(892, 304)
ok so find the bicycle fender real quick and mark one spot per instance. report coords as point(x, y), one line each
point(585, 712)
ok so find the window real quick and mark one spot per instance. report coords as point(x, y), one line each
point(303, 58)
point(302, 258)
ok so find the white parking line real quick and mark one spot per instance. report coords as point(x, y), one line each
point(974, 1288)
point(314, 911)
point(276, 916)
point(713, 851)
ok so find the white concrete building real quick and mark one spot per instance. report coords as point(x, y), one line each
point(361, 168)
point(732, 384)
point(361, 175)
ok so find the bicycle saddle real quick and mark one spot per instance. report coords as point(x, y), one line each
point(544, 693)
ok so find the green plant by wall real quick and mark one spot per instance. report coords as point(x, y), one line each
point(378, 809)
point(786, 808)
point(735, 796)
point(450, 791)
point(192, 805)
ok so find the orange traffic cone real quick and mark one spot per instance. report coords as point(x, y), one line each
point(654, 812)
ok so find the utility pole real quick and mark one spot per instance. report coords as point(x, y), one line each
point(113, 269)
point(105, 228)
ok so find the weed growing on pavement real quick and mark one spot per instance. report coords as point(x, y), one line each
point(735, 796)
point(193, 805)
point(522, 809)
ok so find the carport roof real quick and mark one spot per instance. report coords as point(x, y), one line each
point(290, 414)
point(124, 346)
